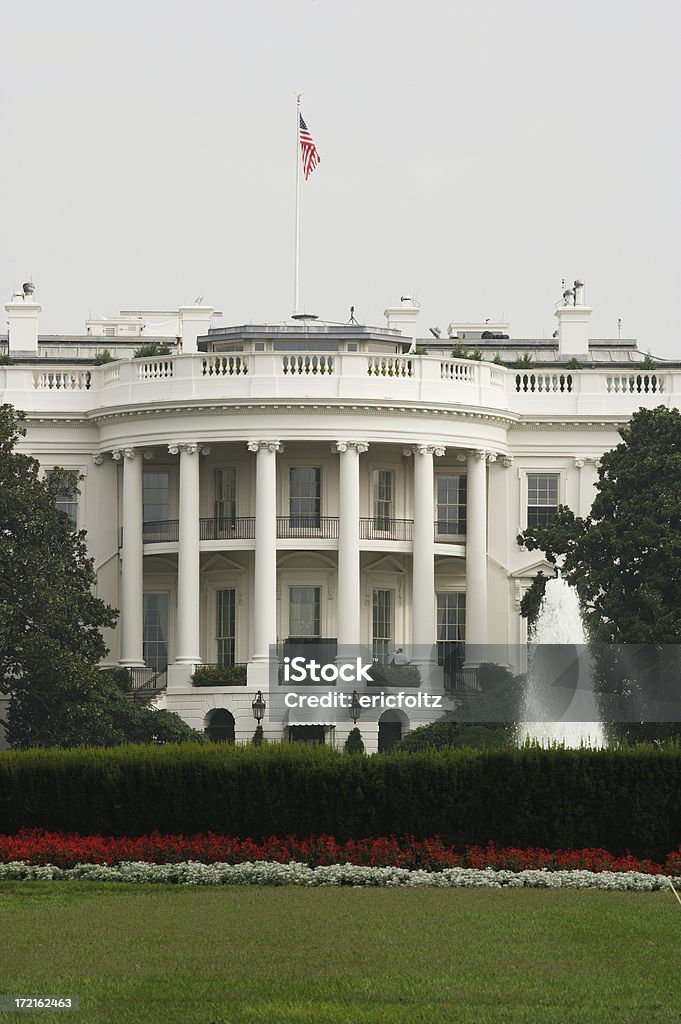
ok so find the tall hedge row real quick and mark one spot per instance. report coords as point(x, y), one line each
point(617, 799)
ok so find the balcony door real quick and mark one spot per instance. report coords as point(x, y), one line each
point(225, 501)
point(383, 500)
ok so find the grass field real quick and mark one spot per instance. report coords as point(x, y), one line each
point(142, 955)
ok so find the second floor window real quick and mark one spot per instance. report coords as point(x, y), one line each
point(225, 495)
point(451, 504)
point(542, 498)
point(383, 499)
point(305, 496)
point(156, 500)
point(67, 497)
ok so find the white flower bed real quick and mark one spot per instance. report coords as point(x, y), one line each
point(272, 873)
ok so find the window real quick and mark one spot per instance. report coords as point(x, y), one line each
point(383, 499)
point(304, 611)
point(225, 626)
point(155, 633)
point(66, 498)
point(225, 496)
point(542, 498)
point(305, 496)
point(451, 504)
point(451, 630)
point(156, 498)
point(382, 626)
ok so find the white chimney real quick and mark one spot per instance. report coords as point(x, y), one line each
point(573, 322)
point(22, 314)
point(194, 321)
point(403, 317)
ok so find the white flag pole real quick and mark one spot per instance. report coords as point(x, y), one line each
point(297, 248)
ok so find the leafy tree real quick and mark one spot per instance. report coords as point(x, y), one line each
point(624, 559)
point(100, 714)
point(51, 620)
point(258, 736)
point(152, 348)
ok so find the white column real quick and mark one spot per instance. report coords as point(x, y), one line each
point(188, 564)
point(265, 582)
point(423, 573)
point(132, 577)
point(348, 623)
point(476, 549)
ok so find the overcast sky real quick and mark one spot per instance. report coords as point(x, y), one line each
point(472, 155)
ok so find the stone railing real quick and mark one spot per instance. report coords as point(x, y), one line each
point(364, 378)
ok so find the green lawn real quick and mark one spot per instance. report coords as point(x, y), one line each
point(340, 956)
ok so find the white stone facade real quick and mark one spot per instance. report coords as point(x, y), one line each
point(343, 480)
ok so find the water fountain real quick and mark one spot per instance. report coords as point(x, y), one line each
point(559, 701)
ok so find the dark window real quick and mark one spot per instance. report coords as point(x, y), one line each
point(305, 497)
point(542, 498)
point(451, 504)
point(225, 627)
point(155, 631)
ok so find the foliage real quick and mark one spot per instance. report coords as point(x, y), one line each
point(476, 353)
point(459, 351)
point(532, 599)
point(354, 744)
point(219, 675)
point(525, 362)
point(50, 620)
point(152, 348)
point(648, 362)
point(258, 736)
point(66, 850)
point(574, 364)
point(6, 360)
point(394, 675)
point(446, 732)
point(498, 360)
point(420, 350)
point(615, 799)
point(103, 357)
point(624, 558)
point(101, 716)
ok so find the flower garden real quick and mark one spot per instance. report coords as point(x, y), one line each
point(208, 859)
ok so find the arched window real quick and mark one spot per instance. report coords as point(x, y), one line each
point(389, 731)
point(220, 726)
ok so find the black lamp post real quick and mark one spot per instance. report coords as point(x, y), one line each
point(259, 707)
point(355, 707)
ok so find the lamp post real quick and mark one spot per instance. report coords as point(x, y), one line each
point(259, 706)
point(355, 707)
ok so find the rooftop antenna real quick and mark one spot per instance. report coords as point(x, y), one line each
point(619, 326)
point(352, 315)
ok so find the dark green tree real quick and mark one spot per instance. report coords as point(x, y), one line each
point(624, 559)
point(354, 744)
point(51, 620)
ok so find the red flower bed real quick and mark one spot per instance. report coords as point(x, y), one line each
point(67, 849)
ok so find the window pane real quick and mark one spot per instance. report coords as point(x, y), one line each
point(156, 499)
point(542, 498)
point(383, 498)
point(225, 628)
point(451, 504)
point(451, 629)
point(305, 611)
point(382, 627)
point(67, 497)
point(155, 634)
point(305, 496)
point(225, 494)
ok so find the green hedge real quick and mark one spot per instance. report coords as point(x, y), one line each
point(617, 799)
point(219, 675)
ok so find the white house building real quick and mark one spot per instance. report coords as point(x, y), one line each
point(273, 485)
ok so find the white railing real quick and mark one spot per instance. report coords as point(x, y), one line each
point(154, 369)
point(542, 382)
point(635, 383)
point(306, 365)
point(224, 366)
point(61, 380)
point(390, 366)
point(458, 371)
point(343, 376)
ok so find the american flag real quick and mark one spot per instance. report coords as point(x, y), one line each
point(308, 149)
